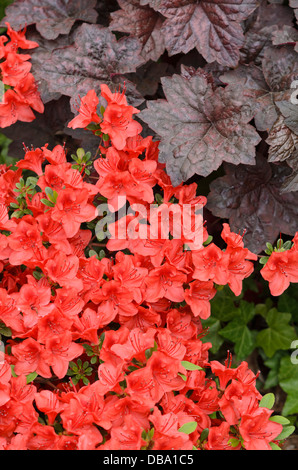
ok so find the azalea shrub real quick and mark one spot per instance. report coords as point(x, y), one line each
point(123, 327)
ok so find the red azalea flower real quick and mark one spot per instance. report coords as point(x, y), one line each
point(167, 282)
point(18, 39)
point(198, 297)
point(60, 350)
point(257, 431)
point(280, 270)
point(13, 109)
point(31, 357)
point(33, 161)
point(119, 125)
point(71, 209)
point(14, 69)
point(211, 263)
point(87, 111)
point(28, 92)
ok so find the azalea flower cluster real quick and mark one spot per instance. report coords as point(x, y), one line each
point(109, 352)
point(21, 94)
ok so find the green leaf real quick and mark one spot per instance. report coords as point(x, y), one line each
point(288, 381)
point(3, 5)
point(182, 376)
point(17, 214)
point(288, 245)
point(31, 377)
point(92, 253)
point(12, 370)
point(204, 434)
point(238, 332)
point(273, 364)
point(208, 241)
point(222, 305)
point(274, 446)
point(270, 247)
point(278, 335)
point(234, 442)
point(188, 428)
point(286, 432)
point(212, 337)
point(189, 366)
point(80, 153)
point(5, 331)
point(32, 181)
point(288, 303)
point(267, 401)
point(47, 203)
point(279, 419)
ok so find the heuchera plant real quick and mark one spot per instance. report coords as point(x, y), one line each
point(104, 349)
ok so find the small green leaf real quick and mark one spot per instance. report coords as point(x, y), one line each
point(80, 153)
point(17, 214)
point(182, 376)
point(5, 331)
point(47, 203)
point(286, 432)
point(188, 428)
point(267, 401)
point(92, 253)
point(279, 419)
point(287, 245)
point(31, 377)
point(269, 246)
point(204, 434)
point(12, 370)
point(274, 446)
point(234, 442)
point(189, 366)
point(208, 241)
point(85, 381)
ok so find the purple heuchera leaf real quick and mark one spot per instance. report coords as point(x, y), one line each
point(201, 126)
point(283, 142)
point(267, 19)
point(51, 17)
point(268, 84)
point(290, 112)
point(250, 197)
point(142, 22)
point(94, 57)
point(212, 26)
point(286, 35)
